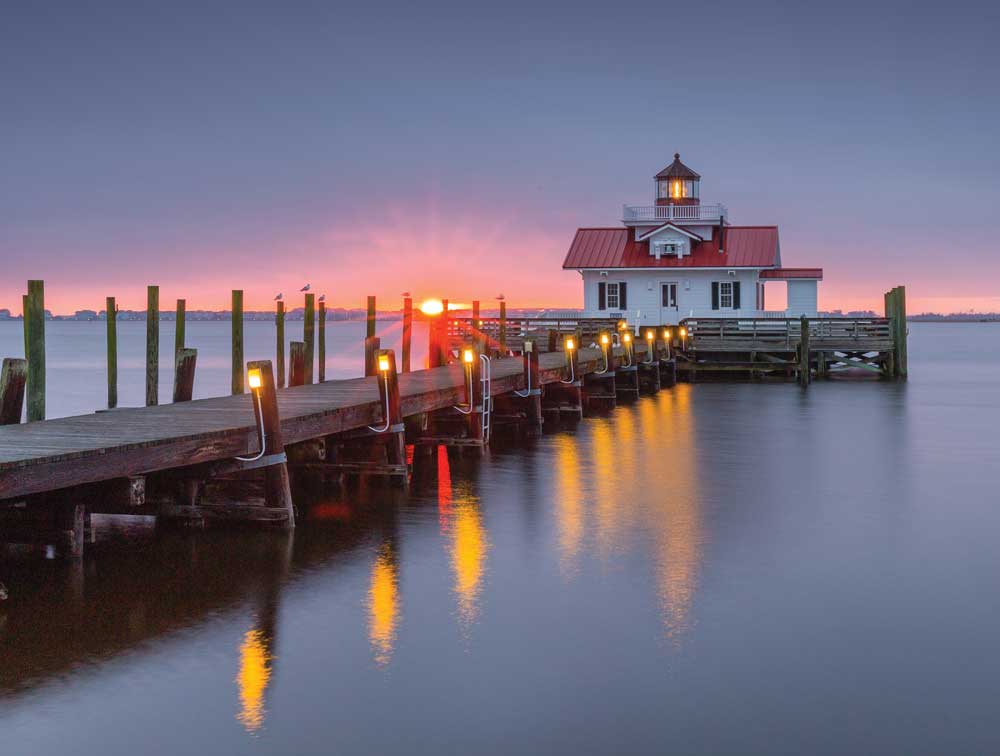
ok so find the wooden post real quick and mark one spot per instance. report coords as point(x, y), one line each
point(111, 313)
point(533, 378)
point(370, 318)
point(444, 337)
point(277, 491)
point(322, 342)
point(184, 366)
point(901, 335)
point(179, 325)
point(407, 332)
point(13, 377)
point(309, 336)
point(473, 390)
point(237, 342)
point(372, 344)
point(388, 384)
point(804, 351)
point(475, 319)
point(503, 328)
point(297, 363)
point(35, 351)
point(152, 345)
point(279, 327)
point(553, 340)
point(24, 322)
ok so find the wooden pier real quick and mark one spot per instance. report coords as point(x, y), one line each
point(239, 458)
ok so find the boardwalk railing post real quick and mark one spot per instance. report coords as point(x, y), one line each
point(388, 382)
point(309, 335)
point(297, 363)
point(13, 377)
point(322, 343)
point(184, 367)
point(533, 378)
point(279, 327)
point(277, 491)
point(237, 342)
point(804, 375)
point(35, 351)
point(111, 318)
point(179, 325)
point(407, 332)
point(152, 345)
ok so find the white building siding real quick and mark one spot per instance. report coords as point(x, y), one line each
point(801, 298)
point(694, 294)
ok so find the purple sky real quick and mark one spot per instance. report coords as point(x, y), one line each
point(453, 149)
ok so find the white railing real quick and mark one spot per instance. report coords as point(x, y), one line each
point(635, 213)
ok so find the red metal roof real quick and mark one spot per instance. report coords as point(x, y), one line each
point(745, 247)
point(784, 274)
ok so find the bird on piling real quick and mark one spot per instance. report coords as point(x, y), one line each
point(322, 297)
point(278, 297)
point(305, 288)
point(501, 297)
point(405, 294)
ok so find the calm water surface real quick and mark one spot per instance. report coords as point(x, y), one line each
point(744, 569)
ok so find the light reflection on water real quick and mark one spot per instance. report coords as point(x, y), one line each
point(717, 569)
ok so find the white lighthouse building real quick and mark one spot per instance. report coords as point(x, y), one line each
point(679, 258)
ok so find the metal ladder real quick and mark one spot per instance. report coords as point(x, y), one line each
point(487, 386)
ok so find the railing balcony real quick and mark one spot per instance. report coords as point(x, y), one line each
point(664, 213)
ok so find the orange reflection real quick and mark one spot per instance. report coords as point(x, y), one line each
point(383, 605)
point(444, 488)
point(469, 545)
point(569, 504)
point(254, 675)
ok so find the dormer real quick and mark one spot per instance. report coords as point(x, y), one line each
point(677, 184)
point(668, 240)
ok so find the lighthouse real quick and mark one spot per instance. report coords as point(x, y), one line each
point(679, 258)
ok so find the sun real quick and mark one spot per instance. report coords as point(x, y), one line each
point(432, 307)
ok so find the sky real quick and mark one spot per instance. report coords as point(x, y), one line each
point(452, 149)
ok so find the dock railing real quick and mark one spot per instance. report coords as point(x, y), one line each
point(784, 334)
point(512, 332)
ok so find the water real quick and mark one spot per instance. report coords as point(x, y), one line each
point(744, 569)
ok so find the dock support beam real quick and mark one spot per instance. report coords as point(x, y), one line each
point(111, 316)
point(297, 363)
point(184, 366)
point(279, 332)
point(35, 349)
point(322, 343)
point(309, 336)
point(152, 345)
point(237, 342)
point(13, 377)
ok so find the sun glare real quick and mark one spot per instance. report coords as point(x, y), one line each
point(432, 307)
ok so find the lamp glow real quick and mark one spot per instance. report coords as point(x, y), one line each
point(684, 333)
point(254, 379)
point(649, 335)
point(468, 356)
point(604, 339)
point(666, 333)
point(383, 363)
point(570, 346)
point(626, 337)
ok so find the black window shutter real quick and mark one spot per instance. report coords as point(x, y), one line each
point(736, 295)
point(601, 296)
point(622, 301)
point(715, 295)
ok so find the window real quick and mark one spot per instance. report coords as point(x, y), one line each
point(726, 295)
point(613, 296)
point(678, 189)
point(661, 190)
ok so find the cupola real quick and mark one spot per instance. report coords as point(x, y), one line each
point(677, 184)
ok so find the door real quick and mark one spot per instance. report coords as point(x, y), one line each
point(668, 302)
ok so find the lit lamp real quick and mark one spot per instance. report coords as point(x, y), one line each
point(570, 346)
point(650, 335)
point(254, 380)
point(468, 356)
point(684, 337)
point(383, 363)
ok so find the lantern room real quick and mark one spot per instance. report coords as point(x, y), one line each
point(677, 184)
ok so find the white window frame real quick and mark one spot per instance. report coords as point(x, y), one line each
point(723, 286)
point(608, 295)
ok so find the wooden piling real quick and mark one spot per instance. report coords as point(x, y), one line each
point(388, 383)
point(13, 377)
point(901, 334)
point(370, 318)
point(322, 343)
point(309, 336)
point(407, 332)
point(804, 370)
point(297, 357)
point(277, 491)
point(111, 318)
point(435, 349)
point(35, 350)
point(372, 345)
point(533, 378)
point(152, 345)
point(179, 325)
point(24, 322)
point(184, 367)
point(279, 327)
point(237, 342)
point(503, 328)
point(473, 391)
